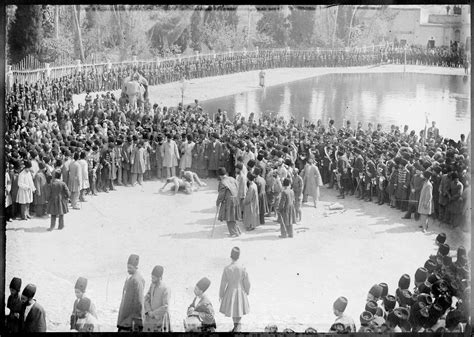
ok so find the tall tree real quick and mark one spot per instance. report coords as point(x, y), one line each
point(25, 32)
point(196, 35)
point(302, 26)
point(274, 25)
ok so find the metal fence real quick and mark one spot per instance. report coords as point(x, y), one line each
point(31, 70)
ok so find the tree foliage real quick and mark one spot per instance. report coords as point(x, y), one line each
point(195, 28)
point(273, 29)
point(25, 32)
point(301, 27)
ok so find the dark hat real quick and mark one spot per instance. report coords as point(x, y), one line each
point(401, 313)
point(443, 249)
point(444, 302)
point(235, 253)
point(404, 282)
point(427, 174)
point(133, 260)
point(425, 298)
point(29, 291)
point(81, 284)
point(250, 176)
point(461, 260)
point(404, 298)
point(424, 289)
point(221, 171)
point(394, 317)
point(157, 271)
point(366, 317)
point(239, 166)
point(371, 306)
point(384, 289)
point(376, 291)
point(203, 284)
point(433, 278)
point(421, 275)
point(310, 330)
point(84, 304)
point(389, 302)
point(453, 318)
point(340, 304)
point(461, 252)
point(435, 310)
point(16, 284)
point(439, 287)
point(441, 238)
point(430, 265)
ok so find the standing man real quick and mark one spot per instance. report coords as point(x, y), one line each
point(157, 304)
point(251, 209)
point(312, 181)
point(262, 196)
point(126, 152)
point(32, 316)
point(228, 202)
point(131, 307)
point(137, 162)
point(187, 156)
point(234, 289)
point(214, 153)
point(85, 175)
point(297, 187)
point(26, 187)
point(241, 184)
point(425, 204)
point(286, 210)
point(57, 202)
point(339, 307)
point(75, 180)
point(170, 155)
point(14, 304)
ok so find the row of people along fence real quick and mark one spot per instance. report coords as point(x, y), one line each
point(369, 55)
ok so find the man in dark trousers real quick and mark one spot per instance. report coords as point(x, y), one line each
point(228, 202)
point(32, 316)
point(57, 202)
point(131, 307)
point(13, 322)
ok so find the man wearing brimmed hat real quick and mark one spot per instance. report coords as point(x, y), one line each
point(201, 308)
point(234, 290)
point(131, 307)
point(32, 315)
point(80, 290)
point(425, 204)
point(13, 322)
point(339, 307)
point(157, 304)
point(227, 202)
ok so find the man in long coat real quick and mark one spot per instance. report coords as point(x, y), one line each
point(214, 153)
point(286, 209)
point(126, 152)
point(80, 290)
point(228, 202)
point(131, 307)
point(251, 207)
point(403, 180)
point(234, 289)
point(187, 155)
point(156, 304)
point(312, 181)
point(241, 184)
point(202, 309)
point(297, 187)
point(57, 201)
point(40, 197)
point(85, 175)
point(26, 187)
point(75, 180)
point(170, 154)
point(425, 204)
point(262, 195)
point(137, 162)
point(455, 200)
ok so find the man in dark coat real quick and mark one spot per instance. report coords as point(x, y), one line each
point(228, 202)
point(13, 322)
point(131, 307)
point(202, 307)
point(214, 153)
point(286, 210)
point(32, 316)
point(57, 203)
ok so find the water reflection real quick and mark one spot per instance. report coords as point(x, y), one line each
point(386, 98)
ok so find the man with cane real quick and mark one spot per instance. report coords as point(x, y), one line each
point(227, 202)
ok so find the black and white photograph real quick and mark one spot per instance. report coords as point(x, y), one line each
point(237, 168)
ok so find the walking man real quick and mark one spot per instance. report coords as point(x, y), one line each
point(228, 202)
point(131, 307)
point(312, 181)
point(234, 289)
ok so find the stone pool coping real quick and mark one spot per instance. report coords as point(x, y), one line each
point(206, 88)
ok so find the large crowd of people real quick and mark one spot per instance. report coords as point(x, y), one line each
point(57, 156)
